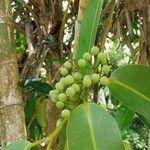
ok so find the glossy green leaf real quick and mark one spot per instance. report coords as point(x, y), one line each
point(18, 145)
point(89, 27)
point(124, 117)
point(41, 113)
point(131, 85)
point(90, 127)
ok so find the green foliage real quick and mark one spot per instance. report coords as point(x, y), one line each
point(20, 145)
point(124, 117)
point(89, 27)
point(132, 90)
point(138, 139)
point(41, 112)
point(98, 129)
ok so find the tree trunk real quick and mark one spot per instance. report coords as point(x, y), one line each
point(12, 120)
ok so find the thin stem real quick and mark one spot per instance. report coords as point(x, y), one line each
point(50, 137)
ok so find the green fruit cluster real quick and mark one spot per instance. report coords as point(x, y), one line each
point(70, 88)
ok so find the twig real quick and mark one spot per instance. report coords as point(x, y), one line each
point(62, 29)
point(48, 138)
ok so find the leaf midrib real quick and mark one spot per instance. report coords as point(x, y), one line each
point(130, 89)
point(90, 125)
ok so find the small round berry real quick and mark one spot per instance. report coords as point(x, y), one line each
point(77, 76)
point(60, 105)
point(63, 81)
point(81, 63)
point(62, 97)
point(95, 50)
point(59, 86)
point(95, 78)
point(87, 76)
point(76, 87)
point(70, 91)
point(59, 122)
point(101, 57)
point(104, 81)
point(63, 71)
point(69, 79)
point(105, 69)
point(65, 113)
point(87, 82)
point(52, 92)
point(87, 56)
point(54, 98)
point(67, 65)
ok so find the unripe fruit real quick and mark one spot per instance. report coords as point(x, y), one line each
point(102, 57)
point(105, 69)
point(52, 92)
point(67, 65)
point(87, 56)
point(81, 63)
point(70, 91)
point(95, 78)
point(59, 122)
point(77, 76)
point(54, 98)
point(59, 86)
point(65, 113)
point(87, 76)
point(104, 81)
point(63, 81)
point(62, 97)
point(76, 87)
point(95, 50)
point(60, 105)
point(69, 79)
point(63, 71)
point(87, 82)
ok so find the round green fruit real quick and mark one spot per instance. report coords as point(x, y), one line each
point(106, 69)
point(70, 92)
point(69, 79)
point(87, 56)
point(54, 98)
point(87, 82)
point(76, 87)
point(77, 76)
point(62, 97)
point(60, 105)
point(65, 113)
point(81, 63)
point(95, 78)
point(63, 71)
point(104, 81)
point(59, 86)
point(63, 81)
point(102, 57)
point(67, 65)
point(95, 50)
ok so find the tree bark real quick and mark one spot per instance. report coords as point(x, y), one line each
point(12, 120)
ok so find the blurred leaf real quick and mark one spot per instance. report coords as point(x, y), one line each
point(18, 145)
point(144, 120)
point(90, 127)
point(40, 86)
point(30, 108)
point(127, 146)
point(124, 117)
point(130, 85)
point(41, 112)
point(89, 27)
